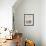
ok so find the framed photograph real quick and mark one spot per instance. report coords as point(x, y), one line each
point(28, 19)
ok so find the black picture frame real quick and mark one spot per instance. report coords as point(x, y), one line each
point(28, 19)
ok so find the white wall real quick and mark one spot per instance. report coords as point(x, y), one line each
point(6, 13)
point(43, 22)
point(29, 7)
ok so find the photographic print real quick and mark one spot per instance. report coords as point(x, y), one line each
point(28, 19)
